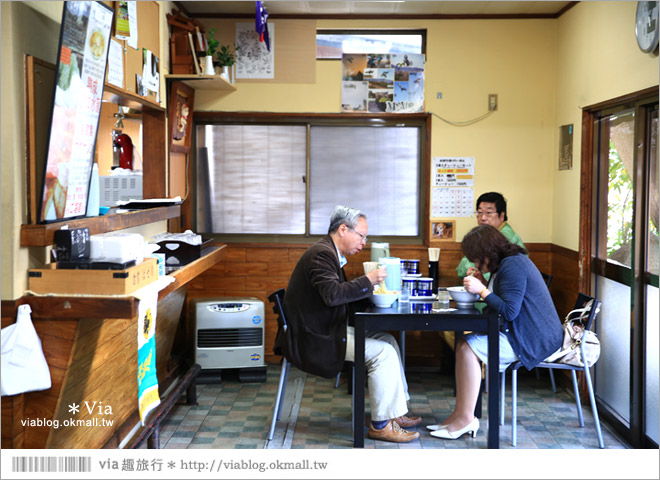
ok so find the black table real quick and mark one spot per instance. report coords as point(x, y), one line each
point(419, 316)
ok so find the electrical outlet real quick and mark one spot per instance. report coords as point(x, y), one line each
point(492, 101)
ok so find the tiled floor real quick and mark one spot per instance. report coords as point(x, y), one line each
point(237, 415)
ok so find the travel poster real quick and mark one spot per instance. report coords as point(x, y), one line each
point(382, 83)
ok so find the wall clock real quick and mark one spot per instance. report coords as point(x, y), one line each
point(646, 26)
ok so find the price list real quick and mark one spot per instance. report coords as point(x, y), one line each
point(452, 187)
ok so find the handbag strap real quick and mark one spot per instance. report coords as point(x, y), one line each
point(582, 313)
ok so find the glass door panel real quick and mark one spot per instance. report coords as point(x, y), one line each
point(620, 188)
point(651, 422)
point(613, 366)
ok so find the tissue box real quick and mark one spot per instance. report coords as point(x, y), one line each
point(179, 253)
point(120, 247)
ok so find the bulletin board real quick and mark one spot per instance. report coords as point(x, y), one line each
point(147, 39)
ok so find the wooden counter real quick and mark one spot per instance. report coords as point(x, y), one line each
point(90, 344)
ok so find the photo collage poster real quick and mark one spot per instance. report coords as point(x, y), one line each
point(382, 83)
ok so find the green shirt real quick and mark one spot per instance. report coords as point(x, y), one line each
point(507, 231)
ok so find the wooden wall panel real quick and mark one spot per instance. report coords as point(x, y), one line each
point(565, 279)
point(256, 270)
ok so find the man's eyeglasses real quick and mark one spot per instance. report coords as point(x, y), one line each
point(487, 213)
point(362, 236)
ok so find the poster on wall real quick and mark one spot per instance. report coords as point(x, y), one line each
point(382, 83)
point(253, 59)
point(452, 186)
point(80, 74)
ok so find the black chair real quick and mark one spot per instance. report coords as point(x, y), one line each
point(276, 299)
point(581, 302)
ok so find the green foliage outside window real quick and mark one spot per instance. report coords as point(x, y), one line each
point(620, 209)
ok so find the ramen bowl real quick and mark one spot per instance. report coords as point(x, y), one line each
point(462, 297)
point(384, 300)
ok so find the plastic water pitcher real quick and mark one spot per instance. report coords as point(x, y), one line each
point(393, 279)
point(379, 250)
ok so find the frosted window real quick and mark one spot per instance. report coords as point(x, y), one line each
point(250, 179)
point(613, 329)
point(651, 373)
point(373, 169)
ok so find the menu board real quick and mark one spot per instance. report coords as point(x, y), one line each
point(80, 74)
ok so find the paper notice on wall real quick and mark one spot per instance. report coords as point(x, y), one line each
point(253, 60)
point(115, 65)
point(130, 10)
point(453, 172)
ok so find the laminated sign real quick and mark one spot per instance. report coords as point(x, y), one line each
point(147, 379)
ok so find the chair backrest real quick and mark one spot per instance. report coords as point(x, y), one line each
point(276, 299)
point(582, 300)
point(547, 278)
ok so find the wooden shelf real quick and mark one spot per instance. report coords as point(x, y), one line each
point(203, 82)
point(121, 97)
point(42, 235)
point(188, 272)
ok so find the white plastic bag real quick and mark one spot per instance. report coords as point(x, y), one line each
point(24, 367)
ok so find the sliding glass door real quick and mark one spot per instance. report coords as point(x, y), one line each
point(624, 264)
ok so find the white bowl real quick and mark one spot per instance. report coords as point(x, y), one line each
point(462, 297)
point(384, 300)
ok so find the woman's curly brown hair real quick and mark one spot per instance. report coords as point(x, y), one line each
point(486, 242)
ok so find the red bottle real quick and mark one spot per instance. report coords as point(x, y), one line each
point(125, 145)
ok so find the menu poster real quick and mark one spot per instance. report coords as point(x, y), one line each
point(80, 74)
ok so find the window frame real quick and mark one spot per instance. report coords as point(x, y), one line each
point(421, 120)
point(366, 31)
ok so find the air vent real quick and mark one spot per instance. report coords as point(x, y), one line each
point(229, 337)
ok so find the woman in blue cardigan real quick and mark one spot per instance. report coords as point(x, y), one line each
point(531, 330)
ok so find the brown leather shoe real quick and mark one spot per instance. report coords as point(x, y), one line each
point(392, 432)
point(407, 422)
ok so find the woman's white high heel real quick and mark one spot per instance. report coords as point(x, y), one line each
point(433, 428)
point(472, 427)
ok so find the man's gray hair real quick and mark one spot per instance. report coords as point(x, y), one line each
point(343, 215)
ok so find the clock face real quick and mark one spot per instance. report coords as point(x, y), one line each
point(646, 26)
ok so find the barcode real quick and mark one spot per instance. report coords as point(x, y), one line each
point(51, 464)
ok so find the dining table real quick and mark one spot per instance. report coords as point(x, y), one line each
point(429, 316)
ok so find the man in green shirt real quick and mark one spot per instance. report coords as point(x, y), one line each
point(491, 210)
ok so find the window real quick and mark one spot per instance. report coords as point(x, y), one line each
point(330, 44)
point(275, 178)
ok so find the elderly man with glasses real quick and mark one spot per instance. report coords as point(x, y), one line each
point(491, 210)
point(317, 305)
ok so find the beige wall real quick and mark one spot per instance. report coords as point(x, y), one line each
point(544, 72)
point(598, 59)
point(466, 60)
point(32, 28)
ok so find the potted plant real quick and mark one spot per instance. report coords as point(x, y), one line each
point(226, 58)
point(211, 46)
